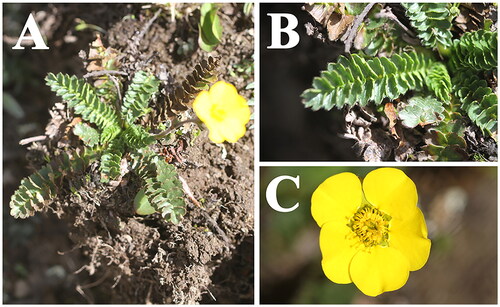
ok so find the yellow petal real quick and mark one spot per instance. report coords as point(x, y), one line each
point(223, 91)
point(230, 130)
point(242, 112)
point(215, 135)
point(379, 270)
point(391, 191)
point(234, 132)
point(336, 199)
point(337, 251)
point(202, 105)
point(410, 238)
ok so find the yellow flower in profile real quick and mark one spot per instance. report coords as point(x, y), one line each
point(372, 233)
point(224, 111)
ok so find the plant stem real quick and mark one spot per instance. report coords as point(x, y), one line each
point(387, 13)
point(175, 126)
point(349, 36)
point(98, 73)
point(32, 139)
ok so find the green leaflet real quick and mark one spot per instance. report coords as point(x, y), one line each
point(144, 163)
point(446, 141)
point(138, 95)
point(478, 101)
point(382, 36)
point(111, 160)
point(142, 205)
point(438, 81)
point(132, 138)
point(421, 111)
point(107, 91)
point(33, 192)
point(163, 188)
point(137, 137)
point(87, 134)
point(357, 80)
point(209, 27)
point(166, 193)
point(110, 133)
point(39, 188)
point(432, 21)
point(82, 98)
point(475, 51)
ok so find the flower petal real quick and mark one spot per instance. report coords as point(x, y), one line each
point(224, 112)
point(336, 199)
point(223, 91)
point(410, 238)
point(215, 135)
point(235, 129)
point(391, 191)
point(379, 270)
point(202, 105)
point(337, 251)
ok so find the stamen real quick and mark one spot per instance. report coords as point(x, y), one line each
point(371, 226)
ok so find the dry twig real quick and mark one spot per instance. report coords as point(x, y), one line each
point(350, 34)
point(99, 73)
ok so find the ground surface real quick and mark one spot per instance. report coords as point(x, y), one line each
point(95, 249)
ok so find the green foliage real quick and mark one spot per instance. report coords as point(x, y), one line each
point(209, 27)
point(248, 8)
point(87, 134)
point(457, 77)
point(244, 69)
point(42, 186)
point(432, 21)
point(109, 134)
point(82, 98)
point(138, 95)
point(439, 92)
point(142, 206)
point(82, 25)
point(107, 91)
point(355, 8)
point(382, 36)
point(32, 192)
point(136, 137)
point(475, 51)
point(117, 135)
point(439, 81)
point(163, 188)
point(446, 142)
point(421, 111)
point(478, 101)
point(111, 159)
point(356, 80)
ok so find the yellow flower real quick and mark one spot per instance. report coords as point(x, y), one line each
point(372, 234)
point(223, 111)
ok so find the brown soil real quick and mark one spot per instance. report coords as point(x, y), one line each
point(94, 249)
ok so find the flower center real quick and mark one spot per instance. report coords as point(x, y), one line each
point(218, 113)
point(371, 226)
